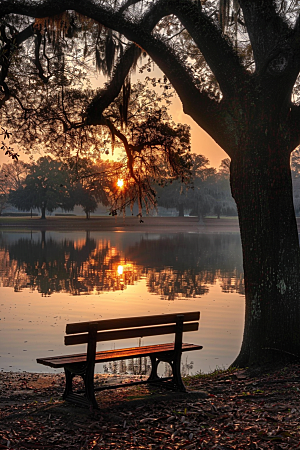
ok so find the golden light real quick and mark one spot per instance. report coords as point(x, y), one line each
point(120, 183)
point(120, 270)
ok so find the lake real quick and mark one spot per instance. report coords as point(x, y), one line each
point(50, 278)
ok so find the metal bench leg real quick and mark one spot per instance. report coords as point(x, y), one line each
point(154, 364)
point(88, 379)
point(177, 375)
point(69, 387)
point(177, 354)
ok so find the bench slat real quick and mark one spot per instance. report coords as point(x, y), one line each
point(111, 355)
point(130, 322)
point(131, 333)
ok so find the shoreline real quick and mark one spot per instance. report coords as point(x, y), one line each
point(149, 225)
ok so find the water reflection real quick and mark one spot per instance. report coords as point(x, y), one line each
point(175, 266)
point(142, 366)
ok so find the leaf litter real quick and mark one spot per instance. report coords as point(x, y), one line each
point(229, 410)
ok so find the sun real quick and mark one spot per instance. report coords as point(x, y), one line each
point(120, 183)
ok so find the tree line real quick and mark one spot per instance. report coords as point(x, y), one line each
point(49, 184)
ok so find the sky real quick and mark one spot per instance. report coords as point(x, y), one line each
point(201, 142)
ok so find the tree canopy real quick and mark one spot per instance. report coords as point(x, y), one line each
point(234, 64)
point(46, 187)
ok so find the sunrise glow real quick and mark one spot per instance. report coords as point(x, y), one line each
point(120, 183)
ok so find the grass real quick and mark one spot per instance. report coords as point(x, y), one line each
point(217, 372)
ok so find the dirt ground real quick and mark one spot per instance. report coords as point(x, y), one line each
point(224, 411)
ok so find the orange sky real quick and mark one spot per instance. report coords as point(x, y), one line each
point(202, 143)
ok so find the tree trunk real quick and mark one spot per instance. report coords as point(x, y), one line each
point(262, 188)
point(43, 216)
point(180, 210)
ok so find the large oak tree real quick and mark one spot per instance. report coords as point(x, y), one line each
point(234, 66)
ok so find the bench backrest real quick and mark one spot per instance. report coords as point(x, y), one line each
point(131, 327)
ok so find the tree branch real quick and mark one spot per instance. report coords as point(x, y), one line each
point(127, 4)
point(204, 110)
point(5, 58)
point(266, 29)
point(216, 49)
point(37, 62)
point(101, 101)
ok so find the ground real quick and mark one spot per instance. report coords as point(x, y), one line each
point(223, 411)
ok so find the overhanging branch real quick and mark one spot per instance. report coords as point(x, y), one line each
point(204, 110)
point(101, 101)
point(265, 28)
point(217, 51)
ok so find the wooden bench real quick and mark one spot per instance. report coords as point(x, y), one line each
point(113, 329)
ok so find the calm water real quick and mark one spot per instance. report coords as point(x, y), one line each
point(48, 279)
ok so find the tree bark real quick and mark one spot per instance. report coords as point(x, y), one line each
point(262, 188)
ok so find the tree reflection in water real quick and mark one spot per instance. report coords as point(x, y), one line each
point(176, 266)
point(184, 265)
point(142, 366)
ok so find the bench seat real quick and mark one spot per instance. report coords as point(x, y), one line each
point(113, 355)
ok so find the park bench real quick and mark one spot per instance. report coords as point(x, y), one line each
point(90, 333)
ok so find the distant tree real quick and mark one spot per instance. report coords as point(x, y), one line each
point(173, 195)
point(203, 178)
point(224, 203)
point(46, 187)
point(192, 195)
point(93, 182)
point(207, 193)
point(224, 168)
point(12, 176)
point(85, 198)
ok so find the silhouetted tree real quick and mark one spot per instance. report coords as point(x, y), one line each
point(46, 187)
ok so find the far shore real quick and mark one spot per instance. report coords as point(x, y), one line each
point(130, 223)
point(147, 224)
